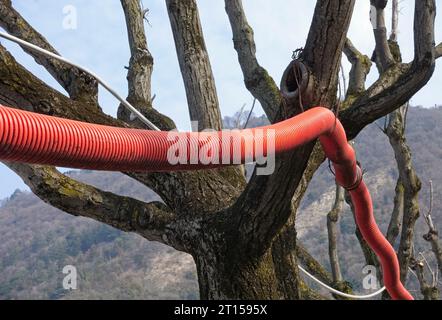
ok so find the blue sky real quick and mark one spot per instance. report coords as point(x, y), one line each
point(100, 43)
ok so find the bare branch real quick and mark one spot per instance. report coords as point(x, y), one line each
point(428, 216)
point(195, 64)
point(360, 67)
point(181, 190)
point(140, 70)
point(404, 80)
point(147, 219)
point(266, 203)
point(312, 265)
point(430, 292)
point(394, 21)
point(411, 185)
point(332, 228)
point(433, 234)
point(323, 50)
point(257, 79)
point(439, 51)
point(79, 85)
point(20, 88)
point(344, 81)
point(395, 224)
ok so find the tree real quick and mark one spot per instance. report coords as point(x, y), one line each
point(241, 235)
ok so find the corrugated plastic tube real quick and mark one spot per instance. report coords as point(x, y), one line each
point(39, 139)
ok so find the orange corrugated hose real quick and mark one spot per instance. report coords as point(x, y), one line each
point(38, 139)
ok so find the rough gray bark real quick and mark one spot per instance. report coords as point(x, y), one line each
point(439, 51)
point(411, 185)
point(433, 234)
point(383, 56)
point(369, 255)
point(139, 76)
point(429, 291)
point(79, 85)
point(147, 219)
point(402, 81)
point(360, 67)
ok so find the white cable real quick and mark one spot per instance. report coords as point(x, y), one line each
point(33, 47)
point(339, 293)
point(152, 126)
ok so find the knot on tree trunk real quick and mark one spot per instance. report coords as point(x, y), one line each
point(296, 86)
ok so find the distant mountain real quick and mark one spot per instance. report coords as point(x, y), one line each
point(37, 241)
point(424, 135)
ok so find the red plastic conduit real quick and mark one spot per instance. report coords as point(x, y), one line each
point(38, 139)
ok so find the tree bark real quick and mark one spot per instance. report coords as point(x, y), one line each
point(412, 186)
point(80, 86)
point(195, 65)
point(242, 237)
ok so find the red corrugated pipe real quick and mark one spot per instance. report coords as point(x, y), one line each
point(38, 139)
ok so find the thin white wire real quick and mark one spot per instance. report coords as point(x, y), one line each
point(33, 47)
point(339, 293)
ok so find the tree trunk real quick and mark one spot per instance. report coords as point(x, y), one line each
point(242, 237)
point(226, 272)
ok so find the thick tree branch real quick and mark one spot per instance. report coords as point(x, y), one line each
point(429, 291)
point(316, 269)
point(141, 62)
point(149, 220)
point(79, 85)
point(287, 238)
point(325, 43)
point(439, 51)
point(394, 21)
point(383, 56)
point(360, 67)
point(433, 234)
point(194, 193)
point(312, 265)
point(332, 228)
point(395, 225)
point(411, 184)
point(139, 81)
point(195, 65)
point(401, 82)
point(182, 191)
point(19, 88)
point(257, 79)
point(266, 204)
